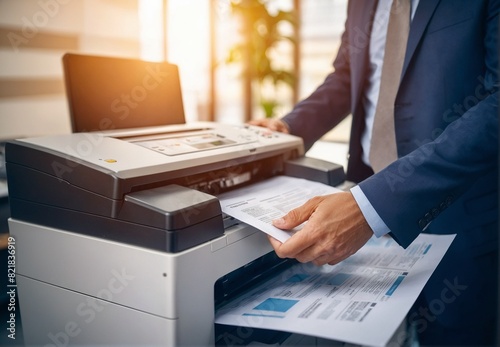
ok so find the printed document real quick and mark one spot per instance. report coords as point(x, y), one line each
point(361, 300)
point(260, 203)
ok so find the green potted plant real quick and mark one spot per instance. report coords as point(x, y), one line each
point(262, 31)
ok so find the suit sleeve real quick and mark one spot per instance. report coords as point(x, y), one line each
point(412, 191)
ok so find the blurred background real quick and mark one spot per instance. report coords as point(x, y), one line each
point(237, 59)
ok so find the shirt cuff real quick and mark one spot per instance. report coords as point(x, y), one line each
point(374, 221)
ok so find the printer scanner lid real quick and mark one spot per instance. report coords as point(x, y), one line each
point(112, 162)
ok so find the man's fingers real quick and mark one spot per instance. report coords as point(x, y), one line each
point(298, 215)
point(335, 230)
point(283, 250)
point(297, 246)
point(274, 124)
point(275, 243)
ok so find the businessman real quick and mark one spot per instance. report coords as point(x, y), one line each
point(420, 78)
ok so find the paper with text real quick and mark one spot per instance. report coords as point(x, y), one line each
point(361, 300)
point(260, 203)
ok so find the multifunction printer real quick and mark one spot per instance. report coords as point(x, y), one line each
point(120, 236)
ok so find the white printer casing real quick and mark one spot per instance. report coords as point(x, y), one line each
point(119, 235)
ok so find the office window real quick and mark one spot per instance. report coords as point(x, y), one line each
point(32, 100)
point(188, 46)
point(322, 26)
point(189, 40)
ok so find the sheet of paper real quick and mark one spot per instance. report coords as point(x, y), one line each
point(260, 203)
point(361, 300)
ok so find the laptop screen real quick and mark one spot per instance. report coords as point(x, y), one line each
point(107, 93)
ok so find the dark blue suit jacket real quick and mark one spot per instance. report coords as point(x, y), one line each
point(446, 178)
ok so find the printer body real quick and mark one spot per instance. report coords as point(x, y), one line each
point(120, 238)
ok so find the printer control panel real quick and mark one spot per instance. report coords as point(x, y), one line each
point(187, 144)
point(205, 139)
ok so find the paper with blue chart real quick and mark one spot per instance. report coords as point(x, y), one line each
point(362, 300)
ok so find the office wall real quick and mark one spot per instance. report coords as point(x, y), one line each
point(34, 35)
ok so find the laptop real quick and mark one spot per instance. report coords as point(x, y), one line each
point(106, 93)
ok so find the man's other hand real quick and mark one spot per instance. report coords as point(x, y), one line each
point(274, 124)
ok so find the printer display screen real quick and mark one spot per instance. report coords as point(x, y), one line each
point(187, 144)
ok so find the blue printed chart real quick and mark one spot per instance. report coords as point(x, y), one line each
point(362, 300)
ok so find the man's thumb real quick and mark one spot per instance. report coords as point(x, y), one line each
point(280, 223)
point(288, 221)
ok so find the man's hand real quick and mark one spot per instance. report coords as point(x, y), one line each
point(273, 124)
point(335, 230)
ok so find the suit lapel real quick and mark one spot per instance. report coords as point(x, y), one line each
point(423, 15)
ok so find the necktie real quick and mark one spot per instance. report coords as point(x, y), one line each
point(383, 149)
